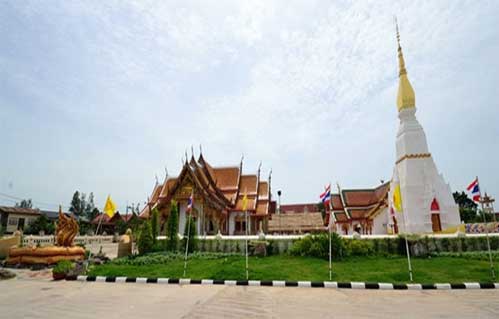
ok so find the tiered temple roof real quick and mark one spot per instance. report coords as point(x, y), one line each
point(222, 188)
point(358, 204)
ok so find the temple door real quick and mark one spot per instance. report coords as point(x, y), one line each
point(435, 216)
point(435, 222)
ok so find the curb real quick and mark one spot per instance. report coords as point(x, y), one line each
point(282, 283)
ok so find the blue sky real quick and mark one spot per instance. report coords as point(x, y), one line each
point(102, 95)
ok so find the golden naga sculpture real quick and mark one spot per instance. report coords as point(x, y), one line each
point(67, 229)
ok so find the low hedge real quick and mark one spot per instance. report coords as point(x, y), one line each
point(315, 246)
point(166, 257)
point(318, 245)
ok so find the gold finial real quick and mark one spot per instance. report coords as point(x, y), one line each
point(405, 97)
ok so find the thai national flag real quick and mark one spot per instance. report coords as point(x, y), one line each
point(474, 188)
point(326, 196)
point(190, 202)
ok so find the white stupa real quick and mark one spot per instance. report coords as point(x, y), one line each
point(427, 201)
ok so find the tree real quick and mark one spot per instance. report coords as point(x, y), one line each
point(90, 207)
point(172, 227)
point(25, 203)
point(154, 224)
point(145, 243)
point(467, 208)
point(121, 226)
point(464, 201)
point(42, 223)
point(93, 214)
point(75, 206)
point(193, 237)
point(468, 215)
point(83, 203)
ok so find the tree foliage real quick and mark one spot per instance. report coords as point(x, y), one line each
point(154, 224)
point(464, 201)
point(145, 241)
point(172, 227)
point(76, 205)
point(82, 206)
point(89, 208)
point(25, 203)
point(42, 223)
point(468, 209)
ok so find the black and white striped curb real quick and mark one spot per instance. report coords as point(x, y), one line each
point(282, 283)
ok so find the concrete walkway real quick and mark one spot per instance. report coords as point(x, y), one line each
point(21, 298)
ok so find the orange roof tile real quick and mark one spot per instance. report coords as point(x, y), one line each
point(263, 189)
point(358, 213)
point(336, 202)
point(168, 186)
point(358, 198)
point(341, 217)
point(249, 206)
point(262, 208)
point(226, 177)
point(248, 184)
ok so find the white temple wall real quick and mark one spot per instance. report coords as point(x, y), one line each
point(380, 222)
point(182, 218)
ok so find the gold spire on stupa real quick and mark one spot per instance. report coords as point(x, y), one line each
point(405, 97)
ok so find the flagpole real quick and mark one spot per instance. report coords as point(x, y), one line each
point(329, 226)
point(188, 218)
point(246, 217)
point(492, 270)
point(407, 247)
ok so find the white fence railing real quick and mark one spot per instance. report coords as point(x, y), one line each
point(31, 240)
point(285, 237)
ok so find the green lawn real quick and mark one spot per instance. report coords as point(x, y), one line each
point(283, 267)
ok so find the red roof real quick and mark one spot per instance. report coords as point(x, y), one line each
point(222, 187)
point(106, 220)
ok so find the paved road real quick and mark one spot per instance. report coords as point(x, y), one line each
point(24, 298)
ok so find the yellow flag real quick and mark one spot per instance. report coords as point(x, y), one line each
point(397, 198)
point(245, 200)
point(110, 207)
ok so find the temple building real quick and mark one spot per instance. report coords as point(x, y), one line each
point(427, 202)
point(364, 211)
point(218, 198)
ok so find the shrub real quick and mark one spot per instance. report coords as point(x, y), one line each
point(494, 243)
point(445, 244)
point(191, 232)
point(63, 267)
point(359, 247)
point(172, 228)
point(318, 246)
point(166, 257)
point(145, 241)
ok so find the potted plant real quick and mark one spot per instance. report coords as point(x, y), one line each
point(61, 269)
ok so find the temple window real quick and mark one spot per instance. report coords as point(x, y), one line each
point(240, 226)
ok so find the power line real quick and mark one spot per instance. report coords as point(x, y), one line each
point(38, 203)
point(15, 199)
